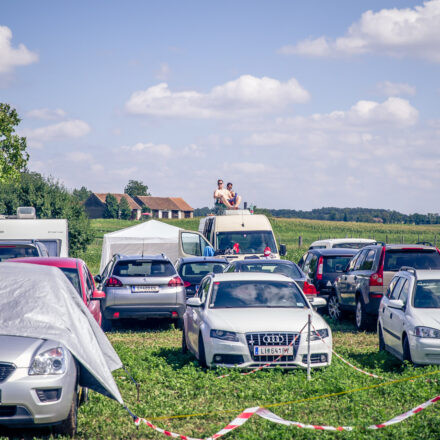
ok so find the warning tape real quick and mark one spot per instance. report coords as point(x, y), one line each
point(244, 416)
point(269, 363)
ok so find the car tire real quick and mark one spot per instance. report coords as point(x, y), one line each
point(406, 350)
point(202, 356)
point(106, 324)
point(381, 340)
point(83, 396)
point(334, 308)
point(69, 426)
point(361, 317)
point(184, 346)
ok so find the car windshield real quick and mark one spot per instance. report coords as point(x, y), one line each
point(427, 294)
point(192, 271)
point(336, 263)
point(354, 245)
point(73, 276)
point(246, 242)
point(417, 258)
point(251, 294)
point(17, 251)
point(289, 270)
point(143, 268)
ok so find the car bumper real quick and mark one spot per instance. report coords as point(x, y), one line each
point(144, 312)
point(21, 406)
point(425, 351)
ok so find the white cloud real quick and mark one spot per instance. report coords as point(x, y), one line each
point(46, 113)
point(249, 167)
point(193, 150)
point(70, 129)
point(389, 88)
point(246, 95)
point(396, 32)
point(79, 156)
point(164, 72)
point(149, 147)
point(11, 57)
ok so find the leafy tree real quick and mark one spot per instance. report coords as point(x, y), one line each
point(136, 188)
point(111, 207)
point(124, 209)
point(13, 155)
point(82, 194)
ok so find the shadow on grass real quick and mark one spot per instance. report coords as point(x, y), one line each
point(176, 359)
point(25, 433)
point(384, 361)
point(137, 325)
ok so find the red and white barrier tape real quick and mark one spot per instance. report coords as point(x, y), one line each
point(348, 363)
point(269, 363)
point(243, 417)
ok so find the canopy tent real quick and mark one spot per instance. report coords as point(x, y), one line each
point(148, 238)
point(40, 302)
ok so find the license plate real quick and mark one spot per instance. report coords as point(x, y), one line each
point(145, 289)
point(273, 350)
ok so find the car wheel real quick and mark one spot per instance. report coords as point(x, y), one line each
point(106, 324)
point(68, 426)
point(184, 346)
point(406, 350)
point(202, 357)
point(381, 340)
point(83, 396)
point(362, 320)
point(334, 308)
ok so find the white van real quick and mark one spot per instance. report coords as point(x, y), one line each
point(53, 233)
point(238, 234)
point(347, 243)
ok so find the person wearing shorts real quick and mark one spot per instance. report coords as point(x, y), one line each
point(234, 199)
point(222, 195)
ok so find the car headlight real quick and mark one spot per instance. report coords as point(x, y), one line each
point(319, 334)
point(52, 361)
point(426, 332)
point(224, 335)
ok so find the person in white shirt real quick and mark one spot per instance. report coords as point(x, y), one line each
point(222, 196)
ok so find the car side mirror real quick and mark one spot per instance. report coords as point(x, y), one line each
point(396, 304)
point(283, 250)
point(98, 295)
point(97, 278)
point(194, 302)
point(317, 302)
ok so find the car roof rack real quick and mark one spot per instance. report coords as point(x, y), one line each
point(425, 243)
point(409, 269)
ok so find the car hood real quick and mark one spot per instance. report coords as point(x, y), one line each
point(18, 350)
point(427, 317)
point(262, 319)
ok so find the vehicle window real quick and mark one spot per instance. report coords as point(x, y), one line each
point(230, 268)
point(360, 260)
point(191, 244)
point(200, 269)
point(312, 266)
point(17, 251)
point(354, 261)
point(245, 294)
point(89, 284)
point(367, 264)
point(204, 290)
point(404, 292)
point(334, 264)
point(397, 288)
point(106, 270)
point(391, 286)
point(73, 276)
point(418, 258)
point(53, 247)
point(427, 295)
point(143, 268)
point(350, 245)
point(317, 247)
point(306, 265)
point(248, 242)
point(286, 269)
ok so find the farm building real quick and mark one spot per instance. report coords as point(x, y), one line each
point(166, 207)
point(95, 205)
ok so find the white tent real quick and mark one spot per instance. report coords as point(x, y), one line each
point(148, 238)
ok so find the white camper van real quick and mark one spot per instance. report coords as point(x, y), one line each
point(53, 233)
point(238, 234)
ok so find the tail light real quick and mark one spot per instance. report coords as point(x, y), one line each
point(320, 269)
point(113, 282)
point(175, 282)
point(309, 289)
point(116, 315)
point(377, 278)
point(186, 284)
point(267, 251)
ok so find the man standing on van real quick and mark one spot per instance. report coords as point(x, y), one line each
point(221, 196)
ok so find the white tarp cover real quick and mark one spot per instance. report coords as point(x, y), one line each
point(148, 238)
point(40, 302)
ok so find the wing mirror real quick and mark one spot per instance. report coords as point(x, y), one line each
point(98, 295)
point(97, 278)
point(283, 250)
point(194, 302)
point(396, 304)
point(317, 302)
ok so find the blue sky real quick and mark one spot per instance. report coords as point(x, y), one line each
point(300, 104)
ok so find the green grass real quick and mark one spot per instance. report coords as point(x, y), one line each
point(174, 384)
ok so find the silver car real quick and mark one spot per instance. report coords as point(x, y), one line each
point(141, 287)
point(38, 384)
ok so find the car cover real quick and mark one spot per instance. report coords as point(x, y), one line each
point(40, 302)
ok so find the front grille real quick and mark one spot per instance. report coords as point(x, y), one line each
point(8, 411)
point(272, 339)
point(5, 371)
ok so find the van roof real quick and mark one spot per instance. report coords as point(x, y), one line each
point(257, 222)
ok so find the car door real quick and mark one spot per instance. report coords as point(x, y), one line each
point(193, 316)
point(93, 305)
point(397, 318)
point(348, 296)
point(389, 335)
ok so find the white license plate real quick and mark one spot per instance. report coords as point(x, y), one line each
point(145, 289)
point(273, 350)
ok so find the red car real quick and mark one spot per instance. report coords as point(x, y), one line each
point(79, 275)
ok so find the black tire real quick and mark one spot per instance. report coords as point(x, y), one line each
point(406, 350)
point(83, 396)
point(381, 340)
point(68, 426)
point(184, 346)
point(334, 308)
point(106, 324)
point(361, 317)
point(202, 357)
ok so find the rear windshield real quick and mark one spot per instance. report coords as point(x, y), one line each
point(248, 294)
point(350, 245)
point(73, 276)
point(427, 294)
point(143, 268)
point(286, 269)
point(335, 264)
point(417, 258)
point(17, 251)
point(200, 269)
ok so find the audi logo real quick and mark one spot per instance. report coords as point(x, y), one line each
point(273, 339)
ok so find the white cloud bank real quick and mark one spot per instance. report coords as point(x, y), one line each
point(11, 57)
point(245, 95)
point(150, 148)
point(396, 32)
point(388, 88)
point(46, 113)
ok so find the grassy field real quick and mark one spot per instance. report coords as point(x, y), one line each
point(174, 384)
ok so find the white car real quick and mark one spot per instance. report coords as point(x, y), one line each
point(346, 243)
point(409, 316)
point(246, 320)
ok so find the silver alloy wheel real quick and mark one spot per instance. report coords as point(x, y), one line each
point(359, 313)
point(334, 310)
